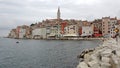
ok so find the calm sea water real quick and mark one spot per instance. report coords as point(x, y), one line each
point(41, 53)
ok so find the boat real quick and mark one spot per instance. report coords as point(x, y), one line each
point(17, 42)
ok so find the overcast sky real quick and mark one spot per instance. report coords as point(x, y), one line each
point(19, 12)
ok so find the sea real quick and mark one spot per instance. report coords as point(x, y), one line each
point(42, 53)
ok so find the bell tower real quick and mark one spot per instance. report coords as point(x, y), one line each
point(58, 14)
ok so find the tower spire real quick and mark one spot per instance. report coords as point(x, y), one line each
point(58, 13)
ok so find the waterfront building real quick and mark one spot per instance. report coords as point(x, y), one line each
point(108, 26)
point(85, 23)
point(97, 25)
point(36, 33)
point(105, 22)
point(86, 31)
point(71, 31)
point(112, 24)
point(28, 33)
point(43, 33)
point(22, 31)
point(63, 25)
point(12, 33)
point(48, 31)
point(17, 31)
point(39, 33)
point(97, 32)
point(54, 31)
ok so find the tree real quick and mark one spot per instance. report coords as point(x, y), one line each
point(32, 24)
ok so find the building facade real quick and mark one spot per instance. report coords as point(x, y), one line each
point(108, 26)
point(71, 31)
point(36, 33)
point(87, 31)
point(112, 25)
point(105, 23)
point(12, 33)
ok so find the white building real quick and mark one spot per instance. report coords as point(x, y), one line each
point(53, 31)
point(87, 30)
point(43, 33)
point(36, 33)
point(22, 33)
point(47, 31)
point(71, 31)
point(39, 33)
point(112, 25)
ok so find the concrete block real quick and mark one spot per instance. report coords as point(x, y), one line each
point(106, 59)
point(82, 65)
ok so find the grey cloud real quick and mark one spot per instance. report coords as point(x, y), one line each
point(18, 12)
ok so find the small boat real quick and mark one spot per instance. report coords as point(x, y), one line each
point(17, 42)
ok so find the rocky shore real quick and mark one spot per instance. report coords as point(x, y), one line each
point(105, 56)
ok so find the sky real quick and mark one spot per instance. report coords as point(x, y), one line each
point(20, 12)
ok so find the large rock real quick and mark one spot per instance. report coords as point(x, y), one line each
point(82, 65)
point(104, 56)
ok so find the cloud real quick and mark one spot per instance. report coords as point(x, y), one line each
point(18, 12)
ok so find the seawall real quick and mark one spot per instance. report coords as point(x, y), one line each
point(106, 55)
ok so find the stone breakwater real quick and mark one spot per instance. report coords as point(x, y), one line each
point(105, 56)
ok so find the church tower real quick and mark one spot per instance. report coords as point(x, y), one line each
point(58, 14)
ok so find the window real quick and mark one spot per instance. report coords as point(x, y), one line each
point(89, 32)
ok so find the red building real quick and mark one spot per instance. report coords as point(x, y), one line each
point(97, 32)
point(80, 30)
point(63, 25)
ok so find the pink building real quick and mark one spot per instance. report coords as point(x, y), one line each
point(108, 26)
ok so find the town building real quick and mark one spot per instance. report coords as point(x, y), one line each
point(112, 26)
point(105, 23)
point(43, 33)
point(71, 31)
point(58, 28)
point(21, 31)
point(108, 26)
point(98, 25)
point(63, 25)
point(86, 31)
point(12, 33)
point(54, 31)
point(36, 33)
